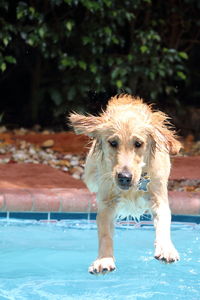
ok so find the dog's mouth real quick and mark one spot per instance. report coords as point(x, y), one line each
point(125, 187)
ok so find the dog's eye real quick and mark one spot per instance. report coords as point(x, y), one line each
point(113, 144)
point(138, 144)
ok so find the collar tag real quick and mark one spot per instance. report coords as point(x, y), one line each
point(143, 183)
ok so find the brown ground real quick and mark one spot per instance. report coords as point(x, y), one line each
point(68, 142)
point(185, 175)
point(25, 176)
point(65, 142)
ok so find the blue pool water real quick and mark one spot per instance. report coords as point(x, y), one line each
point(50, 261)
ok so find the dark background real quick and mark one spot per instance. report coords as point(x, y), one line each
point(62, 55)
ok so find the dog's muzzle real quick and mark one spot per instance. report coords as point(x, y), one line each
point(124, 180)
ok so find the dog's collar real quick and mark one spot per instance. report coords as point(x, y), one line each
point(143, 182)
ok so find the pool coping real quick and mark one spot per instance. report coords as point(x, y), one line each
point(79, 200)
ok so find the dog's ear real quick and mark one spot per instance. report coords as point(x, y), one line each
point(164, 138)
point(84, 124)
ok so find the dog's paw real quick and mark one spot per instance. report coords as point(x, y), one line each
point(102, 266)
point(166, 253)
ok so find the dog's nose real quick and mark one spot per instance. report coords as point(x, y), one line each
point(124, 179)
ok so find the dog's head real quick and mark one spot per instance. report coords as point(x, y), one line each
point(128, 134)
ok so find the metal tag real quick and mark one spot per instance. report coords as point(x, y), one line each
point(143, 183)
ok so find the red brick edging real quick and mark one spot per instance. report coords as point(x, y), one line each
point(79, 200)
point(47, 200)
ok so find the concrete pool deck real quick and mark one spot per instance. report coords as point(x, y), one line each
point(40, 188)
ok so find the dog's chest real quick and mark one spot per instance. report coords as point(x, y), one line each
point(133, 204)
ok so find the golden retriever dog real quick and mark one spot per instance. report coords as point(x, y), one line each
point(128, 166)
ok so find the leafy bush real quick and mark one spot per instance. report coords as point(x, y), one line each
point(69, 47)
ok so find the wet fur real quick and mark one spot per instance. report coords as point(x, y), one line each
point(127, 120)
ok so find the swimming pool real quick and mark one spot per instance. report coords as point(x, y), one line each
point(50, 261)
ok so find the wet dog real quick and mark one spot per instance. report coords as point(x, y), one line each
point(128, 166)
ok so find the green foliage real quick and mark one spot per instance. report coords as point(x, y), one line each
point(140, 46)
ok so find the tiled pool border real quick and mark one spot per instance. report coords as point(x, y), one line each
point(72, 200)
point(59, 216)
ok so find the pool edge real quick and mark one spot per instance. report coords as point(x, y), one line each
point(72, 200)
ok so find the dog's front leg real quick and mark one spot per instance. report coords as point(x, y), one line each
point(105, 261)
point(164, 248)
